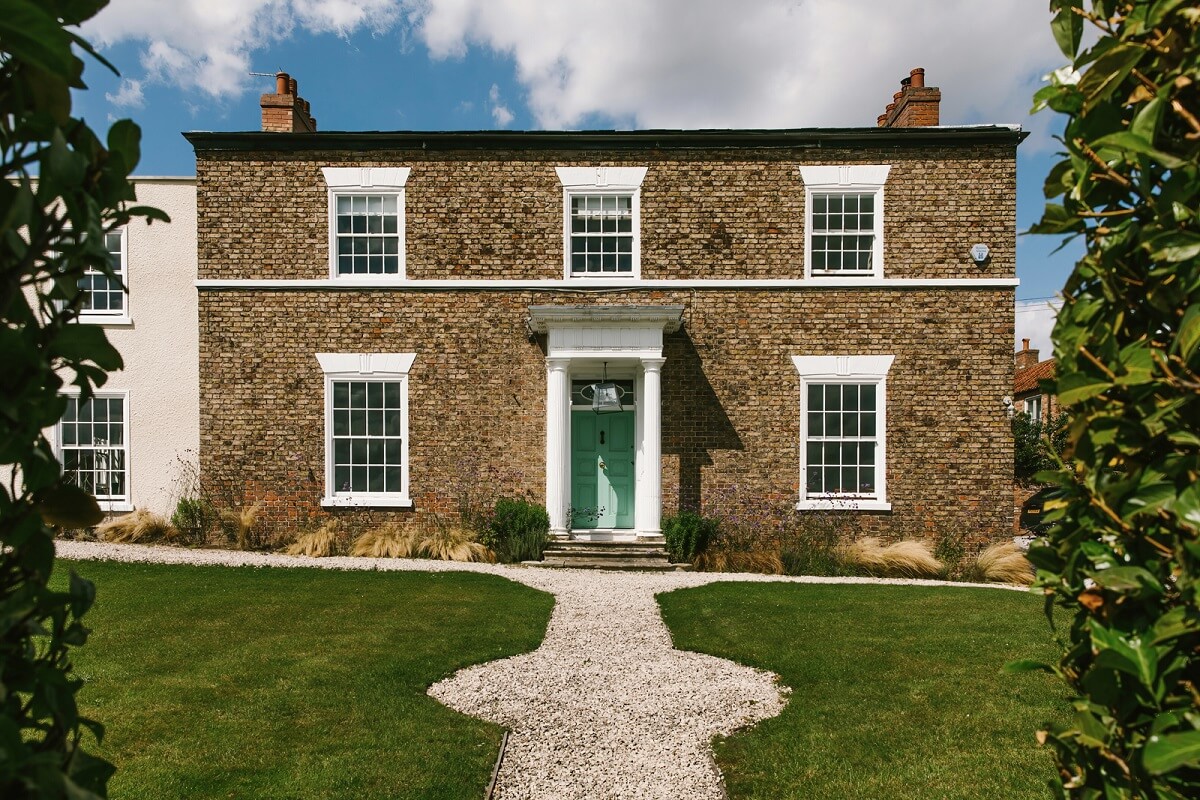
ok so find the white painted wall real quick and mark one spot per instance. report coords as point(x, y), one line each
point(161, 346)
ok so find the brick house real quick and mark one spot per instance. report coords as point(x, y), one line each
point(793, 319)
point(1027, 396)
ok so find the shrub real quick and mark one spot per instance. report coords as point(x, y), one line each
point(1037, 446)
point(907, 559)
point(811, 544)
point(323, 542)
point(688, 534)
point(517, 531)
point(193, 517)
point(389, 540)
point(1120, 558)
point(138, 526)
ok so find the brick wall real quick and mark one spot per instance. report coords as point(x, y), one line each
point(730, 390)
point(704, 214)
point(730, 394)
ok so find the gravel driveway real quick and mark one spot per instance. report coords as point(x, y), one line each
point(605, 707)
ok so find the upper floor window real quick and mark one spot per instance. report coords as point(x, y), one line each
point(602, 221)
point(843, 443)
point(1033, 407)
point(366, 221)
point(105, 298)
point(366, 428)
point(93, 446)
point(844, 225)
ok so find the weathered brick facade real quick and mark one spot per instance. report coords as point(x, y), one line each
point(477, 390)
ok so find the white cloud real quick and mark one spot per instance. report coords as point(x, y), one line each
point(668, 63)
point(207, 45)
point(1035, 321)
point(129, 94)
point(757, 63)
point(500, 112)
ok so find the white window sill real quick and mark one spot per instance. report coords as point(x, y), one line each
point(366, 501)
point(843, 504)
point(846, 273)
point(372, 278)
point(116, 506)
point(107, 321)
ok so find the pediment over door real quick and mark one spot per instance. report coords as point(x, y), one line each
point(580, 331)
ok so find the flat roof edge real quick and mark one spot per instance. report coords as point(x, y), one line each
point(600, 140)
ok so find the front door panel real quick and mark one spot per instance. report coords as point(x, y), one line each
point(602, 474)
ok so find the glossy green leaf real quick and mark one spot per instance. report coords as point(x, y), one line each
point(1067, 27)
point(1171, 751)
point(67, 506)
point(1078, 386)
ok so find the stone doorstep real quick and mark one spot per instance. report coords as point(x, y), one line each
point(649, 556)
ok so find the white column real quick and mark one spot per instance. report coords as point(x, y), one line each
point(651, 486)
point(558, 432)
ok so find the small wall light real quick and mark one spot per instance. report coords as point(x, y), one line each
point(1007, 402)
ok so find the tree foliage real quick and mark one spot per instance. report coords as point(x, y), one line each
point(1121, 556)
point(51, 230)
point(1037, 445)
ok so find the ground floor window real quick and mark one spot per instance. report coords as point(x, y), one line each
point(843, 426)
point(366, 428)
point(94, 446)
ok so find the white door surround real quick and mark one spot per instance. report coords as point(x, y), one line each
point(580, 340)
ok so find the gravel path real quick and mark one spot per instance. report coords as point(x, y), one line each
point(605, 707)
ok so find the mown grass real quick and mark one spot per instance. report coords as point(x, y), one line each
point(897, 692)
point(272, 683)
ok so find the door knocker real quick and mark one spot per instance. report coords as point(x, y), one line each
point(601, 437)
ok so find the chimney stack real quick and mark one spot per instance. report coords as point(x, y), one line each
point(285, 111)
point(1025, 357)
point(915, 105)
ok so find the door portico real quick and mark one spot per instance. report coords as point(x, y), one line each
point(581, 341)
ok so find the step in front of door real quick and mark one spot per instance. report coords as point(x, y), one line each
point(647, 556)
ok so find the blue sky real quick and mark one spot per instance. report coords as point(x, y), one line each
point(553, 64)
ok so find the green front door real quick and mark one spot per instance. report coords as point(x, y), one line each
point(602, 457)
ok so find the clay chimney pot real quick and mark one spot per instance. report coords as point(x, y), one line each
point(293, 88)
point(917, 78)
point(281, 82)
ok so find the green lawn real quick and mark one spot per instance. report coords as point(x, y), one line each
point(294, 683)
point(897, 692)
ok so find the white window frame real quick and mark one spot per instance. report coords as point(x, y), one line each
point(351, 181)
point(845, 179)
point(383, 368)
point(604, 181)
point(88, 316)
point(1033, 407)
point(845, 370)
point(110, 503)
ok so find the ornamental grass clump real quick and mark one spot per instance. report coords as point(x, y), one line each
point(1002, 562)
point(139, 525)
point(323, 542)
point(389, 540)
point(446, 542)
point(906, 559)
point(239, 526)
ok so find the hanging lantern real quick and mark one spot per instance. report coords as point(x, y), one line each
point(606, 395)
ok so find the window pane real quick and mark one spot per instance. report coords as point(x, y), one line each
point(816, 424)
